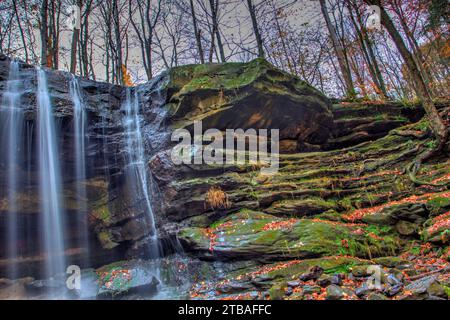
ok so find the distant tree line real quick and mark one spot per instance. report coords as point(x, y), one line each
point(327, 43)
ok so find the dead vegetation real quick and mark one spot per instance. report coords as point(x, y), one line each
point(216, 198)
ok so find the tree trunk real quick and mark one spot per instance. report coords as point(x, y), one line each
point(75, 37)
point(22, 35)
point(259, 41)
point(197, 32)
point(436, 122)
point(214, 8)
point(339, 52)
point(366, 47)
point(118, 44)
point(43, 31)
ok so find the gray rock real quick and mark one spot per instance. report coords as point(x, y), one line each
point(288, 291)
point(361, 271)
point(393, 280)
point(421, 286)
point(334, 292)
point(363, 290)
point(391, 291)
point(435, 298)
point(234, 287)
point(376, 296)
point(336, 279)
point(314, 273)
point(293, 284)
point(311, 289)
point(324, 280)
point(130, 277)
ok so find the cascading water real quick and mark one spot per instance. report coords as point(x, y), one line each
point(12, 124)
point(136, 164)
point(79, 113)
point(50, 181)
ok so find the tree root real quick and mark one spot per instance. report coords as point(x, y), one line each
point(413, 133)
point(413, 168)
point(381, 163)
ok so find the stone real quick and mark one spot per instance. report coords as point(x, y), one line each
point(227, 96)
point(435, 298)
point(124, 278)
point(363, 290)
point(415, 213)
point(307, 289)
point(324, 280)
point(393, 280)
point(313, 274)
point(376, 296)
point(406, 228)
point(336, 279)
point(288, 291)
point(334, 292)
point(293, 284)
point(14, 289)
point(249, 234)
point(391, 262)
point(421, 286)
point(234, 287)
point(391, 291)
point(46, 285)
point(437, 290)
point(361, 271)
point(277, 292)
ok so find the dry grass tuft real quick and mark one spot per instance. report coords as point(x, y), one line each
point(216, 198)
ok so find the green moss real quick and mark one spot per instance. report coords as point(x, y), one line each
point(447, 291)
point(254, 232)
point(105, 239)
point(102, 214)
point(379, 230)
point(343, 268)
point(277, 292)
point(436, 204)
point(330, 265)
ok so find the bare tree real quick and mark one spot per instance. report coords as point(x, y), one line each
point(75, 38)
point(436, 122)
point(259, 41)
point(43, 32)
point(339, 50)
point(197, 32)
point(145, 29)
point(215, 33)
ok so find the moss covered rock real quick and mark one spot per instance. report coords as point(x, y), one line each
point(255, 235)
point(252, 95)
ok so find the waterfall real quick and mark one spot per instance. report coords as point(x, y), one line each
point(79, 115)
point(137, 164)
point(12, 124)
point(50, 181)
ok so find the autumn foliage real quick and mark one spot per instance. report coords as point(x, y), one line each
point(127, 81)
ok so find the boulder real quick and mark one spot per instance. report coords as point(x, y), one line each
point(334, 293)
point(245, 96)
point(420, 289)
point(414, 213)
point(126, 277)
point(254, 235)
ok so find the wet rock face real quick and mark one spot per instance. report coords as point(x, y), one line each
point(115, 214)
